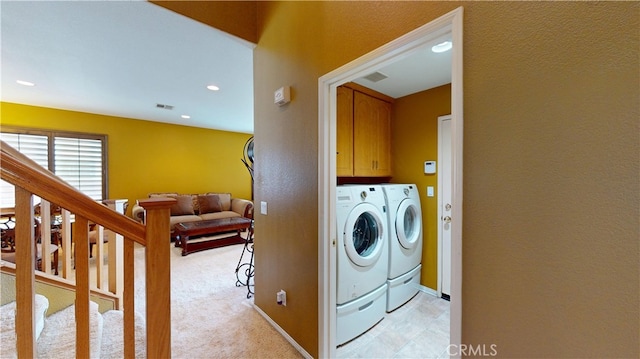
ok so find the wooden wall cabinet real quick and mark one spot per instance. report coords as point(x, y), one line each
point(363, 133)
point(344, 132)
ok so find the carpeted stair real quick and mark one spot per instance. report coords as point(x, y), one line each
point(56, 334)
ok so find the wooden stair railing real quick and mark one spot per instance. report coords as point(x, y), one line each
point(31, 179)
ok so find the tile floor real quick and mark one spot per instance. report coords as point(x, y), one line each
point(418, 329)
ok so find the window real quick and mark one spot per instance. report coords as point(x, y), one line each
point(77, 158)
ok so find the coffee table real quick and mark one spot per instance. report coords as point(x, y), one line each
point(185, 230)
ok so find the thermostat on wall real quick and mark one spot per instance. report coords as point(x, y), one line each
point(430, 167)
point(282, 96)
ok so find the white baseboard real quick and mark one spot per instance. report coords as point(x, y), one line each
point(427, 290)
point(282, 332)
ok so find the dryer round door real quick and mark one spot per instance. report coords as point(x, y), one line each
point(364, 235)
point(408, 224)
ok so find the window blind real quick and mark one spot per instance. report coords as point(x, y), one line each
point(36, 147)
point(78, 161)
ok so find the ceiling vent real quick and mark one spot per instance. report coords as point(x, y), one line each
point(166, 107)
point(376, 76)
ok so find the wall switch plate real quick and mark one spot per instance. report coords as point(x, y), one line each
point(263, 207)
point(429, 191)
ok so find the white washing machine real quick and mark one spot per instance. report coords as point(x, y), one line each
point(362, 259)
point(405, 243)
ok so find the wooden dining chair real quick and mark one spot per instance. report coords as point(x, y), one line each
point(7, 238)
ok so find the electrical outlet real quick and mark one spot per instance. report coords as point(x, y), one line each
point(281, 297)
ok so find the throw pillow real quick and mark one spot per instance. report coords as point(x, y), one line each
point(209, 203)
point(225, 200)
point(183, 206)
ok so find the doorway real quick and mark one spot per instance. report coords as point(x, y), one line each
point(389, 53)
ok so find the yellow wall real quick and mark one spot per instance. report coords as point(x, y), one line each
point(148, 156)
point(414, 132)
point(551, 195)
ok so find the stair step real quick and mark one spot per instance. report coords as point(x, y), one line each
point(113, 335)
point(58, 339)
point(8, 325)
point(56, 334)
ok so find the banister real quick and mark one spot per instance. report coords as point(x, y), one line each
point(24, 172)
point(31, 179)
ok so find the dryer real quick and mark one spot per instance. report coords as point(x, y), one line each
point(405, 242)
point(362, 259)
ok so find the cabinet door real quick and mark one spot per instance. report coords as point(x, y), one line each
point(371, 137)
point(344, 134)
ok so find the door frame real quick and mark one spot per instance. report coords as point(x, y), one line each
point(441, 119)
point(327, 84)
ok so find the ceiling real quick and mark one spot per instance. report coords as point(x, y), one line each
point(123, 58)
point(137, 60)
point(422, 70)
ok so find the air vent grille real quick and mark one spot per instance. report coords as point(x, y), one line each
point(376, 76)
point(166, 107)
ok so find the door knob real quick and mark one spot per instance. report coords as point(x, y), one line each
point(447, 219)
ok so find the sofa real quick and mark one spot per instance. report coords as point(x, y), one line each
point(200, 207)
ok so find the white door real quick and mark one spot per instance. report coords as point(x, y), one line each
point(444, 201)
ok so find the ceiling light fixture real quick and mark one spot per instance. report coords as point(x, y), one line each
point(213, 87)
point(25, 83)
point(442, 47)
point(186, 117)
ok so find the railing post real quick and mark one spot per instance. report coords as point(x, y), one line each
point(45, 235)
point(158, 276)
point(25, 276)
point(65, 233)
point(83, 322)
point(115, 246)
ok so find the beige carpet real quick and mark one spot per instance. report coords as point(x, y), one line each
point(211, 317)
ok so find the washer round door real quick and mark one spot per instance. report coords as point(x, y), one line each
point(364, 235)
point(408, 224)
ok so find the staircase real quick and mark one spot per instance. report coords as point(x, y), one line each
point(80, 330)
point(55, 335)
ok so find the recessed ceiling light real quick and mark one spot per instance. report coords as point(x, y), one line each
point(213, 87)
point(25, 83)
point(186, 117)
point(442, 47)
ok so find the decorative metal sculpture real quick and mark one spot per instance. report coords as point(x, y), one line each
point(248, 156)
point(248, 159)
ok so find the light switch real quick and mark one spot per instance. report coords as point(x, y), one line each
point(263, 207)
point(429, 191)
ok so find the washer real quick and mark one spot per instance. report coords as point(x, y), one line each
point(405, 242)
point(362, 259)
